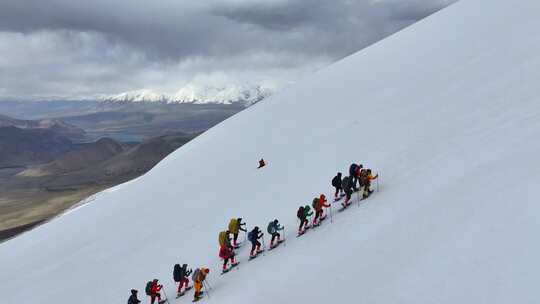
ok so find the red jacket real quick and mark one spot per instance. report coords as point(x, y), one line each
point(225, 252)
point(322, 203)
point(155, 288)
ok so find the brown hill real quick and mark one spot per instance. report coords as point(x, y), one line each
point(22, 147)
point(53, 125)
point(123, 166)
point(43, 191)
point(85, 156)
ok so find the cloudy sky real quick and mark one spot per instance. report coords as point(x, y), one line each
point(80, 48)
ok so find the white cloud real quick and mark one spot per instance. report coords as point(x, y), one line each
point(67, 48)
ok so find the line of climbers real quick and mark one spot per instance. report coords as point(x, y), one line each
point(347, 185)
point(344, 187)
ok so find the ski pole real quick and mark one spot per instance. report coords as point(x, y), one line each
point(331, 219)
point(378, 177)
point(358, 197)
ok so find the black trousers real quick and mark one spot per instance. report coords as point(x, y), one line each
point(338, 190)
point(255, 245)
point(303, 221)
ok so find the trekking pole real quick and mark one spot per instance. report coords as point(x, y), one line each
point(206, 289)
point(264, 246)
point(358, 197)
point(331, 219)
point(165, 294)
point(284, 243)
point(378, 177)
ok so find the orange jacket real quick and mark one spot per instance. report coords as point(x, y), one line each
point(371, 177)
point(201, 275)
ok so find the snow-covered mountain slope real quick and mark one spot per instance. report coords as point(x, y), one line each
point(447, 110)
point(193, 93)
point(143, 95)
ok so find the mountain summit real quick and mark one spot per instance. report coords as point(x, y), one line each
point(196, 94)
point(447, 111)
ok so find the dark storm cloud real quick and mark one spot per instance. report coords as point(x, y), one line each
point(166, 28)
point(72, 47)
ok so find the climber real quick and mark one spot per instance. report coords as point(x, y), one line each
point(273, 229)
point(235, 226)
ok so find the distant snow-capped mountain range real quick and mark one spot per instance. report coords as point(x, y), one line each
point(231, 94)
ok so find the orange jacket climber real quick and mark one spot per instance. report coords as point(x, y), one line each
point(199, 275)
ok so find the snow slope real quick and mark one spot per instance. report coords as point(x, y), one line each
point(447, 110)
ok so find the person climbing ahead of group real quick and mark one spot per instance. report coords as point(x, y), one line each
point(199, 275)
point(347, 188)
point(273, 229)
point(354, 173)
point(133, 298)
point(152, 290)
point(235, 226)
point(227, 254)
point(262, 163)
point(303, 213)
point(180, 276)
point(336, 183)
point(365, 181)
point(254, 236)
point(318, 204)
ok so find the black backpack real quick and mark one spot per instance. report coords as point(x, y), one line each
point(345, 183)
point(148, 288)
point(252, 236)
point(177, 273)
point(336, 181)
point(300, 212)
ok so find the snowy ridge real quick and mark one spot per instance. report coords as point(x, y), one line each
point(446, 110)
point(143, 95)
point(197, 94)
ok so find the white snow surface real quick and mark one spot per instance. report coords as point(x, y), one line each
point(447, 110)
